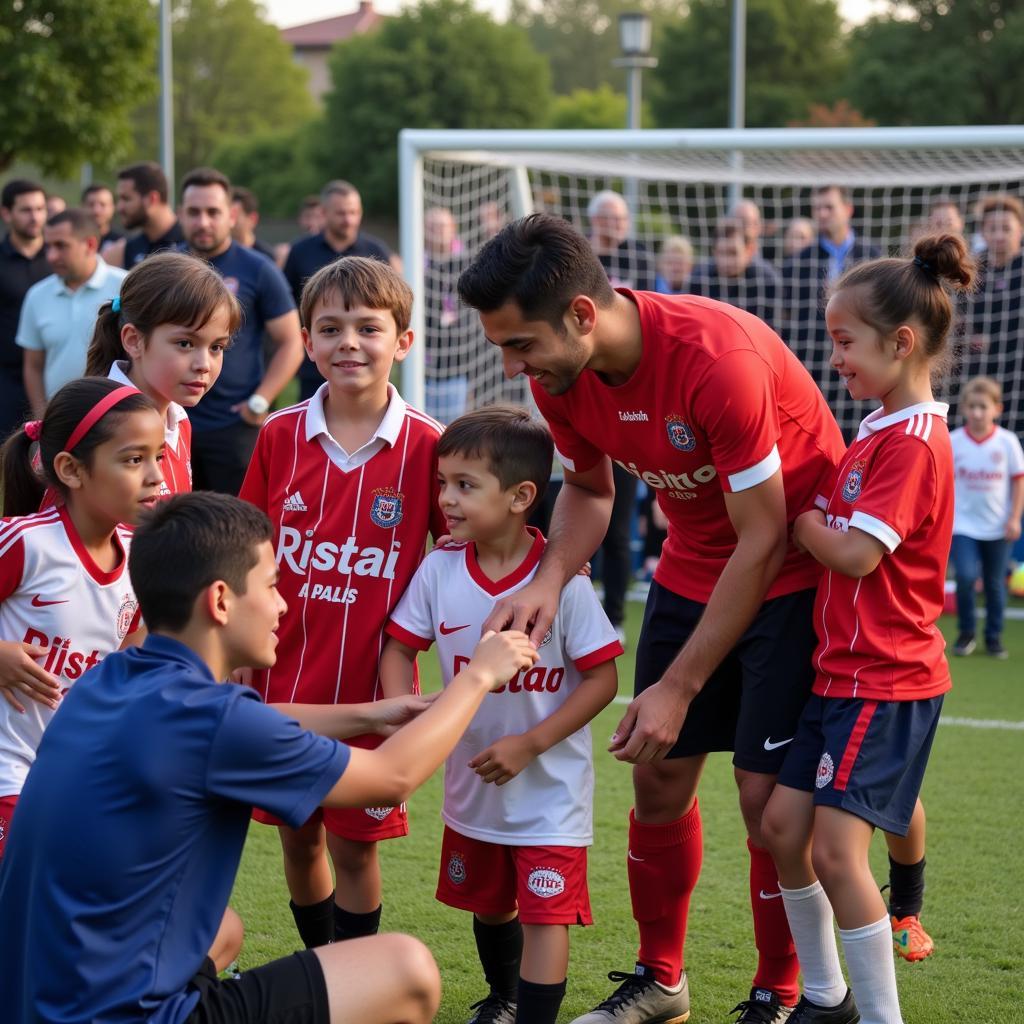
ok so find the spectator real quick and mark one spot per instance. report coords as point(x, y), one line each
point(341, 236)
point(311, 215)
point(22, 264)
point(225, 425)
point(245, 208)
point(736, 275)
point(492, 218)
point(627, 262)
point(98, 200)
point(59, 313)
point(675, 264)
point(945, 218)
point(55, 204)
point(142, 202)
point(799, 235)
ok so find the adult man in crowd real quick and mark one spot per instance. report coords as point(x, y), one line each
point(59, 312)
point(709, 407)
point(245, 208)
point(22, 264)
point(142, 202)
point(226, 422)
point(341, 236)
point(98, 201)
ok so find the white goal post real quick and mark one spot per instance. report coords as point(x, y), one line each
point(681, 183)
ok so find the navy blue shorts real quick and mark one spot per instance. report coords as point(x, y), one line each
point(752, 703)
point(866, 757)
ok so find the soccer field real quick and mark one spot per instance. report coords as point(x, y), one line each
point(973, 908)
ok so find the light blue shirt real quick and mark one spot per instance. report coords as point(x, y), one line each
point(60, 322)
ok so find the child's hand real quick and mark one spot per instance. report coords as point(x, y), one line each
point(803, 522)
point(501, 655)
point(19, 671)
point(503, 761)
point(391, 713)
point(1013, 529)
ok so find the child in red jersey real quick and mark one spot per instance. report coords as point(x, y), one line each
point(349, 481)
point(166, 335)
point(65, 598)
point(882, 532)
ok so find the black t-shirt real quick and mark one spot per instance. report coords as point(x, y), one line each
point(138, 248)
point(111, 236)
point(630, 266)
point(17, 275)
point(757, 290)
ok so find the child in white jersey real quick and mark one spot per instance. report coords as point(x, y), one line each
point(989, 499)
point(519, 784)
point(65, 597)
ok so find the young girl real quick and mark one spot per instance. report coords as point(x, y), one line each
point(65, 597)
point(883, 535)
point(166, 335)
point(989, 465)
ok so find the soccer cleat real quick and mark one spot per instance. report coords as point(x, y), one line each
point(641, 1000)
point(763, 1007)
point(995, 649)
point(806, 1012)
point(493, 1010)
point(910, 940)
point(965, 644)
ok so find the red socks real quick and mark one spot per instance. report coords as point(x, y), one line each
point(663, 864)
point(777, 965)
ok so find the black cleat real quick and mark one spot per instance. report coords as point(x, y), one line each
point(763, 1007)
point(493, 1010)
point(806, 1012)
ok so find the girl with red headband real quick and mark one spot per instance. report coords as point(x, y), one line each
point(66, 600)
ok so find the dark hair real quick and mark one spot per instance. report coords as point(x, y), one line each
point(146, 177)
point(23, 486)
point(93, 188)
point(310, 202)
point(844, 192)
point(186, 543)
point(167, 288)
point(18, 187)
point(246, 199)
point(201, 176)
point(732, 227)
point(1001, 201)
point(541, 263)
point(360, 281)
point(82, 223)
point(899, 291)
point(516, 446)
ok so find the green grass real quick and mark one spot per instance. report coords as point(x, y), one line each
point(972, 793)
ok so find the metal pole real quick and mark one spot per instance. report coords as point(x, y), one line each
point(166, 96)
point(633, 101)
point(738, 84)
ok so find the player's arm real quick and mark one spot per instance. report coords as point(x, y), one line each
point(389, 774)
point(286, 340)
point(758, 516)
point(853, 552)
point(340, 721)
point(397, 665)
point(1016, 508)
point(579, 522)
point(32, 366)
point(504, 760)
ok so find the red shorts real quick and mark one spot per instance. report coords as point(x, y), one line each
point(364, 824)
point(547, 883)
point(6, 810)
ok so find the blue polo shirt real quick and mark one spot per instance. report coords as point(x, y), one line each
point(264, 294)
point(127, 837)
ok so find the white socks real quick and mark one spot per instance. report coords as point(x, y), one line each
point(869, 960)
point(810, 920)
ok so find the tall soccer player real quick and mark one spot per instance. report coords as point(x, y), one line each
point(707, 406)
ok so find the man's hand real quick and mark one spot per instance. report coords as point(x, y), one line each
point(391, 713)
point(651, 724)
point(499, 656)
point(531, 610)
point(20, 672)
point(503, 761)
point(248, 416)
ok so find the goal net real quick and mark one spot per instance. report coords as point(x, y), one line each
point(459, 187)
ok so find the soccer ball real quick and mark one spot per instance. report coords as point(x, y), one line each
point(1017, 581)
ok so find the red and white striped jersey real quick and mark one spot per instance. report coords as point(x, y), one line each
point(53, 594)
point(877, 637)
point(349, 532)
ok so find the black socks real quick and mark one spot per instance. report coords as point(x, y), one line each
point(906, 888)
point(348, 925)
point(538, 1004)
point(500, 947)
point(315, 922)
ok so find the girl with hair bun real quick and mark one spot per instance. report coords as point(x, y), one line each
point(882, 532)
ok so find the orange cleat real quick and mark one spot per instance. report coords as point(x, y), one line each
point(910, 940)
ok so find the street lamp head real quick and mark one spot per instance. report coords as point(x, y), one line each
point(635, 34)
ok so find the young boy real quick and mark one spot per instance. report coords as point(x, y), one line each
point(519, 786)
point(348, 478)
point(153, 767)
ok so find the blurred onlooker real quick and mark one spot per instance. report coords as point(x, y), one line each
point(492, 219)
point(748, 213)
point(55, 204)
point(22, 264)
point(311, 215)
point(245, 208)
point(627, 262)
point(944, 218)
point(675, 264)
point(99, 201)
point(799, 234)
point(142, 202)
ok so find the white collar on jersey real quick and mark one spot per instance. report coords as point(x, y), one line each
point(387, 430)
point(175, 412)
point(875, 421)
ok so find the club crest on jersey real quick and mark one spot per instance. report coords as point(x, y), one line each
point(826, 770)
point(546, 883)
point(126, 615)
point(456, 869)
point(378, 813)
point(854, 481)
point(386, 507)
point(679, 434)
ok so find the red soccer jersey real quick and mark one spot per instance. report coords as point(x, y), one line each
point(349, 533)
point(717, 404)
point(877, 635)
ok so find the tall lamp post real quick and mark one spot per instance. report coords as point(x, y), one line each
point(635, 43)
point(166, 95)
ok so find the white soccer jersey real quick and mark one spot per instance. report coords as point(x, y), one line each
point(53, 594)
point(550, 802)
point(984, 472)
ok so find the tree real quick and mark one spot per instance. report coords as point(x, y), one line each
point(794, 58)
point(70, 73)
point(589, 108)
point(442, 64)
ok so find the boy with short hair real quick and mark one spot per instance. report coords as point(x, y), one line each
point(519, 786)
point(349, 480)
point(129, 921)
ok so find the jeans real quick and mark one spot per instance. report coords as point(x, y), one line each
point(968, 556)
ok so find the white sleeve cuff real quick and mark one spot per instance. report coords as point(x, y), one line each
point(876, 528)
point(757, 474)
point(821, 502)
point(566, 461)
